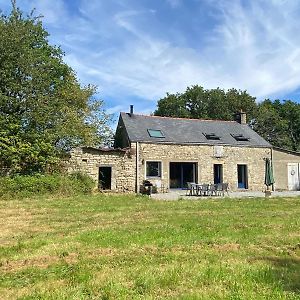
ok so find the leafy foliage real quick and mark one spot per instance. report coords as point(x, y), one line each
point(196, 102)
point(279, 123)
point(56, 184)
point(44, 110)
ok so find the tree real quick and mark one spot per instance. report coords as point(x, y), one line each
point(279, 123)
point(43, 109)
point(196, 102)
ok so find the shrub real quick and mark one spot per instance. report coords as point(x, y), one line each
point(38, 184)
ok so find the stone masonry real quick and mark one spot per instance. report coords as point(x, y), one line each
point(204, 156)
point(125, 172)
point(122, 162)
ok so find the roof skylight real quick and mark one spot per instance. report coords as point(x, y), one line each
point(155, 133)
point(240, 137)
point(211, 136)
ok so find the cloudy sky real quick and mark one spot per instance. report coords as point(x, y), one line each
point(137, 50)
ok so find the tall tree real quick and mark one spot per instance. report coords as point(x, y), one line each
point(197, 102)
point(279, 123)
point(43, 109)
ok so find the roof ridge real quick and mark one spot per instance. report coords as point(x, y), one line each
point(178, 118)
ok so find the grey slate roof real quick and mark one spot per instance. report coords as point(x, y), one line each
point(189, 131)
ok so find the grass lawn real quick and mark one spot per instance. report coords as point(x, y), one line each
point(127, 247)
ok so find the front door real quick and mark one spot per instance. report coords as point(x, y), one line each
point(293, 176)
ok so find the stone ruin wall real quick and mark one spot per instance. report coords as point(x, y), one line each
point(122, 162)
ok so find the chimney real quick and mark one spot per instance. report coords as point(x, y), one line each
point(241, 117)
point(131, 109)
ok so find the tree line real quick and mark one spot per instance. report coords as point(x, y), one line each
point(277, 121)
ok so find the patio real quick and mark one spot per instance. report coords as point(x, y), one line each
point(176, 194)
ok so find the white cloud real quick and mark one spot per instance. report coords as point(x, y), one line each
point(253, 48)
point(111, 44)
point(54, 12)
point(174, 3)
point(259, 46)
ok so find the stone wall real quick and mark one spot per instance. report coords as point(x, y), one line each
point(205, 157)
point(122, 162)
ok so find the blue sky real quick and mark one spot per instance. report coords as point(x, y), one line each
point(137, 50)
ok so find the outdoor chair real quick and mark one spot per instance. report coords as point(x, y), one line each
point(212, 190)
point(191, 190)
point(198, 189)
point(219, 189)
point(204, 190)
point(225, 188)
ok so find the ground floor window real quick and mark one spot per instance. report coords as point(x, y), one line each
point(242, 172)
point(153, 169)
point(104, 182)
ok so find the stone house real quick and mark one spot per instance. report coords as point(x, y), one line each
point(169, 152)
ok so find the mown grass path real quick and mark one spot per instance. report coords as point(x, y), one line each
point(127, 247)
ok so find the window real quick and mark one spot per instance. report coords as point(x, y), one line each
point(153, 169)
point(240, 137)
point(211, 136)
point(155, 133)
point(242, 171)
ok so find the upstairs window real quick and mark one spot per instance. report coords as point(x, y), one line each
point(155, 133)
point(211, 136)
point(153, 169)
point(240, 137)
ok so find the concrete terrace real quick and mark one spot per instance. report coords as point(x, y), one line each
point(177, 194)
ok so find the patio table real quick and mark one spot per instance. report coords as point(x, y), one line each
point(205, 189)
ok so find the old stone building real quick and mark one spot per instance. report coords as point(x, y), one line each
point(169, 152)
point(112, 169)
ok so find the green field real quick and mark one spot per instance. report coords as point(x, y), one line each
point(127, 247)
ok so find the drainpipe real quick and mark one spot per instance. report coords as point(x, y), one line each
point(272, 167)
point(137, 168)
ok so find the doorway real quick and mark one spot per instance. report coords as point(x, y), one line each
point(218, 173)
point(242, 171)
point(104, 180)
point(294, 176)
point(181, 173)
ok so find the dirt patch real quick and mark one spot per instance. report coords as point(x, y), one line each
point(15, 222)
point(42, 262)
point(227, 247)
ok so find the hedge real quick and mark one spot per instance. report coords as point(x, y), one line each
point(58, 184)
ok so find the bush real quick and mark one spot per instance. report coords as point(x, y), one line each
point(57, 184)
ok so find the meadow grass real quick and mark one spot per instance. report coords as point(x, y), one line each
point(129, 247)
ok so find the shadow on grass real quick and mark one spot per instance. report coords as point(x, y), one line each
point(285, 270)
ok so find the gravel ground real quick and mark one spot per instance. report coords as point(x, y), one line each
point(181, 194)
